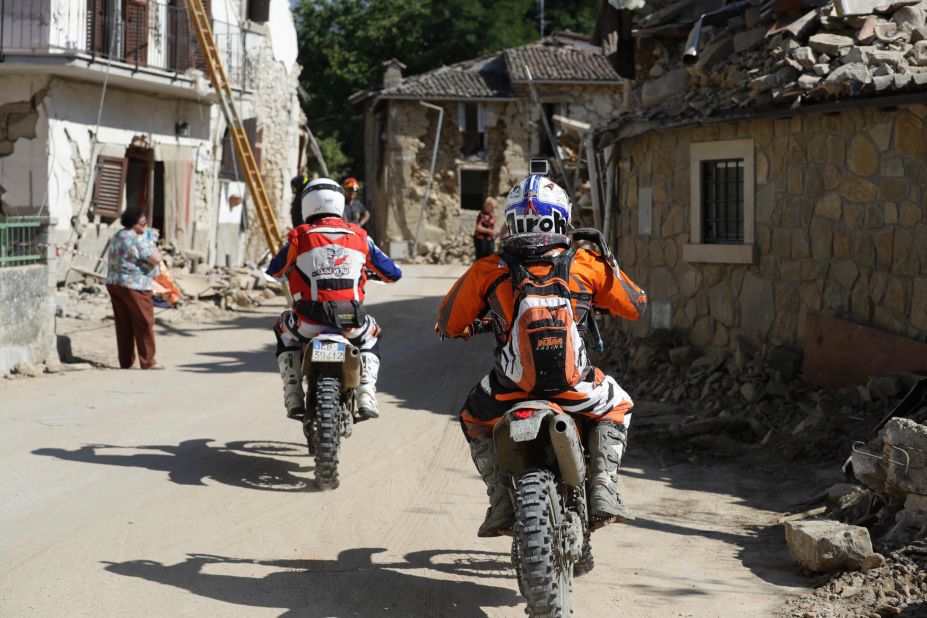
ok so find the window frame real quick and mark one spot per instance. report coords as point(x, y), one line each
point(721, 253)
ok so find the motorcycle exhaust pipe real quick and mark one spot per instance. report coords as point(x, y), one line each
point(567, 448)
point(351, 369)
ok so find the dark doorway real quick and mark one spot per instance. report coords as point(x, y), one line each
point(474, 187)
point(139, 173)
point(157, 204)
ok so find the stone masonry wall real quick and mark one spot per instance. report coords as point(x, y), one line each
point(841, 226)
point(510, 141)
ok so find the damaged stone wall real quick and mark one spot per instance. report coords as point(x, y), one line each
point(841, 226)
point(510, 140)
point(276, 108)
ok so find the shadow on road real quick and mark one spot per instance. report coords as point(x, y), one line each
point(246, 464)
point(760, 547)
point(351, 585)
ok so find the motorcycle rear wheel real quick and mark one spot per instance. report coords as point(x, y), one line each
point(326, 433)
point(545, 576)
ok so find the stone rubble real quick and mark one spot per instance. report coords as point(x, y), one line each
point(754, 397)
point(782, 59)
point(826, 546)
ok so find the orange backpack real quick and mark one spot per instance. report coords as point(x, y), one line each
point(542, 351)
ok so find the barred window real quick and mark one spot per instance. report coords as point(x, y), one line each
point(723, 201)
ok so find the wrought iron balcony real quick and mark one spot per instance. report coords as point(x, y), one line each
point(140, 34)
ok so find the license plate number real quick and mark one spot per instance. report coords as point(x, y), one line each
point(327, 352)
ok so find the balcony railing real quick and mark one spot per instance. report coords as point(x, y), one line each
point(23, 240)
point(155, 34)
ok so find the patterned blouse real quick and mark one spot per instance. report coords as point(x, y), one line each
point(128, 260)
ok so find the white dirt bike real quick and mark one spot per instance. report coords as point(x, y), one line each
point(331, 368)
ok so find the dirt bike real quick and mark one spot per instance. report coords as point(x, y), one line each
point(332, 368)
point(541, 448)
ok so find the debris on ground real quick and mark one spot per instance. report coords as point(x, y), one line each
point(753, 397)
point(897, 588)
point(456, 250)
point(825, 546)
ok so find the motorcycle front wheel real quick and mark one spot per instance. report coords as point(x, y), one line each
point(545, 574)
point(326, 430)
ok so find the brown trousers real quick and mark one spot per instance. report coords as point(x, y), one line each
point(134, 316)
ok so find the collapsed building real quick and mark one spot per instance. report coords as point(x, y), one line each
point(491, 128)
point(107, 105)
point(771, 179)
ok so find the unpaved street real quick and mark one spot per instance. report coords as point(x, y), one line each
point(187, 492)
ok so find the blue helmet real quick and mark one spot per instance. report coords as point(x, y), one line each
point(537, 205)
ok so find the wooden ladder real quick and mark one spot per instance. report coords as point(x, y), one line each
point(220, 81)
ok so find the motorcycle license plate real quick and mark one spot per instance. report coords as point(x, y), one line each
point(327, 352)
point(524, 430)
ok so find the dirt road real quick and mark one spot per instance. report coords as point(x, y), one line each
point(187, 492)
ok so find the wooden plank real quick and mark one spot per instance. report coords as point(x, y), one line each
point(594, 181)
point(840, 353)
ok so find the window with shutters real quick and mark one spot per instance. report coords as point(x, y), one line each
point(183, 48)
point(471, 119)
point(230, 167)
point(108, 186)
point(136, 31)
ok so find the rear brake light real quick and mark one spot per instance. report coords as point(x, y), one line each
point(523, 414)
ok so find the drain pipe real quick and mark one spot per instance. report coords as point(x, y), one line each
point(431, 174)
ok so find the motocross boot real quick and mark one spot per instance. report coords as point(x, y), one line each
point(501, 514)
point(607, 443)
point(367, 391)
point(293, 397)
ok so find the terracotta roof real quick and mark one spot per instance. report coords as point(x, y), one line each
point(481, 78)
point(560, 63)
point(561, 57)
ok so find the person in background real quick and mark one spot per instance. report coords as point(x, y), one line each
point(484, 237)
point(354, 210)
point(297, 184)
point(133, 262)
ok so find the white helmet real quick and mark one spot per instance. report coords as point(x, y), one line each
point(322, 196)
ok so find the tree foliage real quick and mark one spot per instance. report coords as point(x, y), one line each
point(343, 43)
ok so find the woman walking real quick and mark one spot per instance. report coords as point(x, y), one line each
point(133, 262)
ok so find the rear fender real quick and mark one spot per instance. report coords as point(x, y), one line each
point(349, 370)
point(522, 443)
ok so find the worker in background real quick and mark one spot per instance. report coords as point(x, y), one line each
point(354, 210)
point(297, 184)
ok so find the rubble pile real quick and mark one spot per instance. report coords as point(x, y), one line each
point(753, 397)
point(781, 53)
point(455, 250)
point(221, 287)
point(897, 588)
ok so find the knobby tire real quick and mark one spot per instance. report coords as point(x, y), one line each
point(545, 578)
point(327, 430)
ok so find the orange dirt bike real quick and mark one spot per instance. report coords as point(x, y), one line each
point(541, 448)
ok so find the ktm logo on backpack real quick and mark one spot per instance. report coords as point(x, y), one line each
point(543, 352)
point(549, 342)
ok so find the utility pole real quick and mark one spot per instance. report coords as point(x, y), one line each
point(541, 5)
